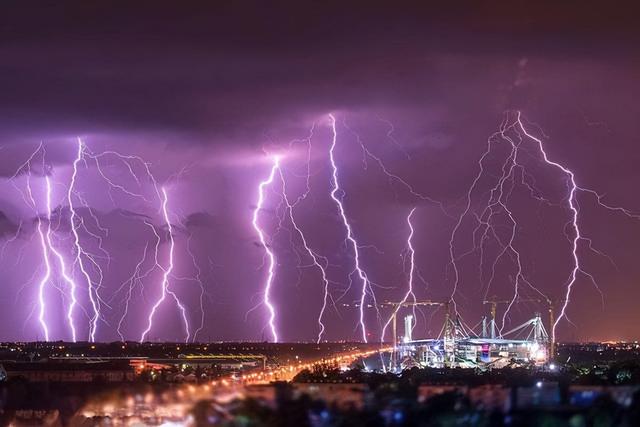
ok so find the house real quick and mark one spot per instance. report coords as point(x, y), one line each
point(344, 395)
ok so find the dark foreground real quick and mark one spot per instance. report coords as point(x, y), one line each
point(587, 386)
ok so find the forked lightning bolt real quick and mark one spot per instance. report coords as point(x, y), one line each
point(80, 253)
point(515, 133)
point(574, 221)
point(412, 268)
point(497, 206)
point(393, 177)
point(166, 273)
point(130, 162)
point(268, 251)
point(44, 280)
point(63, 268)
point(337, 198)
point(47, 247)
point(314, 257)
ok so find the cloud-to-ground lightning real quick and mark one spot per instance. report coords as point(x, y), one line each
point(62, 265)
point(134, 280)
point(412, 269)
point(45, 278)
point(166, 273)
point(496, 206)
point(78, 267)
point(28, 197)
point(461, 217)
point(197, 279)
point(80, 253)
point(131, 162)
point(514, 132)
point(393, 177)
point(513, 159)
point(316, 259)
point(573, 188)
point(337, 194)
point(268, 251)
point(47, 246)
point(87, 262)
point(498, 203)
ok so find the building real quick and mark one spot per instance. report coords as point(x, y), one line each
point(343, 395)
point(48, 371)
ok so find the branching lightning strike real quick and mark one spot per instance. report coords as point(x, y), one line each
point(514, 132)
point(80, 253)
point(166, 273)
point(366, 285)
point(268, 251)
point(314, 257)
point(412, 268)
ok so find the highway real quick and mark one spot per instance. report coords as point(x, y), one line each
point(173, 406)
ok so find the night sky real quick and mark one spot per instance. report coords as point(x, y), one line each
point(206, 92)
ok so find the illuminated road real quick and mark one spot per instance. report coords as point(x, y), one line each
point(173, 407)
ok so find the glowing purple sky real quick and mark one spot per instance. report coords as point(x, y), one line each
point(202, 93)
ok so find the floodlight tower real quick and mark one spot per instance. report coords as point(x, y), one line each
point(492, 323)
point(449, 338)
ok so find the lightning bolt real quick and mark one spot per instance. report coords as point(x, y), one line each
point(312, 254)
point(574, 221)
point(393, 177)
point(63, 268)
point(127, 160)
point(409, 293)
point(453, 259)
point(197, 279)
point(166, 274)
point(498, 204)
point(45, 278)
point(268, 252)
point(131, 162)
point(10, 240)
point(515, 133)
point(366, 285)
point(84, 260)
point(318, 261)
point(80, 253)
point(573, 207)
point(391, 129)
point(47, 247)
point(496, 207)
point(27, 196)
point(134, 280)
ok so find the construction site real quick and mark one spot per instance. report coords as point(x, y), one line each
point(483, 346)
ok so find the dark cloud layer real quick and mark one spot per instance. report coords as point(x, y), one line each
point(239, 67)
